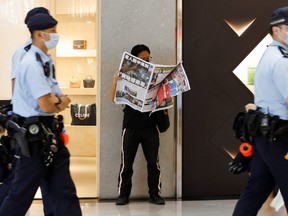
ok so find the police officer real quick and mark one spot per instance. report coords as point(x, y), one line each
point(268, 166)
point(22, 50)
point(37, 97)
point(17, 57)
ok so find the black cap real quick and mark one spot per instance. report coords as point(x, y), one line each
point(279, 17)
point(41, 21)
point(34, 11)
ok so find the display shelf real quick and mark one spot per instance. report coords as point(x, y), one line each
point(79, 91)
point(66, 53)
point(77, 21)
point(79, 126)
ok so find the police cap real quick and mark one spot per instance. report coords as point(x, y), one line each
point(41, 21)
point(34, 11)
point(279, 17)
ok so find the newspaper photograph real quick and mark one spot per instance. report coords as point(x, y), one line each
point(148, 87)
point(176, 82)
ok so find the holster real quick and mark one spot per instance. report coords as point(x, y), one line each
point(34, 129)
point(255, 123)
point(37, 129)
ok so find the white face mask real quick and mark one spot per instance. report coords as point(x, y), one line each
point(52, 43)
point(285, 40)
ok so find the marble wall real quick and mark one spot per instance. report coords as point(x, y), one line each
point(122, 24)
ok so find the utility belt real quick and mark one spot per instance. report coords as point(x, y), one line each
point(44, 129)
point(253, 123)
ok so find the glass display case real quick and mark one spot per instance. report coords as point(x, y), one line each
point(75, 59)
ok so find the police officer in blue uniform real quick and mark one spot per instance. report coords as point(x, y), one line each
point(36, 99)
point(22, 50)
point(269, 165)
point(17, 57)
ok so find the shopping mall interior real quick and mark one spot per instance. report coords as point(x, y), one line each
point(219, 43)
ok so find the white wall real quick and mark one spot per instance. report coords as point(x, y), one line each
point(124, 24)
point(13, 34)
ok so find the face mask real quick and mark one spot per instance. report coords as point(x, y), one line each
point(52, 43)
point(286, 39)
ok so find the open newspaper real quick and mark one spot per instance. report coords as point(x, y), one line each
point(149, 87)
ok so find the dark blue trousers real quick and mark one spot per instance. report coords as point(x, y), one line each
point(149, 139)
point(31, 172)
point(4, 189)
point(268, 168)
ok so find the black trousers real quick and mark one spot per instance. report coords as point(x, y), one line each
point(149, 139)
point(268, 168)
point(4, 188)
point(31, 172)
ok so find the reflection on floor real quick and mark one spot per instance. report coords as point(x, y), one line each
point(144, 208)
point(83, 171)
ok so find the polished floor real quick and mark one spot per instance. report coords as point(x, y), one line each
point(144, 208)
point(83, 170)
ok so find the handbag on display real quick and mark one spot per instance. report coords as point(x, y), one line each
point(162, 120)
point(82, 114)
point(79, 44)
point(88, 82)
point(75, 82)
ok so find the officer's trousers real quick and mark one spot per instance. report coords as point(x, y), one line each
point(268, 168)
point(30, 172)
point(149, 139)
point(4, 189)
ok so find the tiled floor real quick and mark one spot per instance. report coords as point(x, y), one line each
point(143, 208)
point(83, 171)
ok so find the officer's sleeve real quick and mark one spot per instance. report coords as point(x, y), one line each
point(36, 80)
point(16, 59)
point(280, 76)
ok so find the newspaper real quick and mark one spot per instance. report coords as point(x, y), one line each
point(149, 87)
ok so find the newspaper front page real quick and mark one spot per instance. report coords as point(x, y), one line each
point(149, 87)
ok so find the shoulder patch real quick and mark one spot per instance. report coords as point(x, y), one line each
point(283, 51)
point(28, 47)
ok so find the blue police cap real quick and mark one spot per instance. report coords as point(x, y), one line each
point(34, 11)
point(279, 17)
point(41, 21)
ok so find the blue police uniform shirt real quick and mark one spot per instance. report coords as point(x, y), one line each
point(18, 56)
point(31, 84)
point(271, 82)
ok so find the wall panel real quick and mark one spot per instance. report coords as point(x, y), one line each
point(211, 50)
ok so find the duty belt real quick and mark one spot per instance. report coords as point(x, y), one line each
point(253, 123)
point(40, 129)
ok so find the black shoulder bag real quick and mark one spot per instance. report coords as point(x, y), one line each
point(162, 120)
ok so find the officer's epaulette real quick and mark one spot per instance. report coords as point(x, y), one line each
point(28, 47)
point(283, 51)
